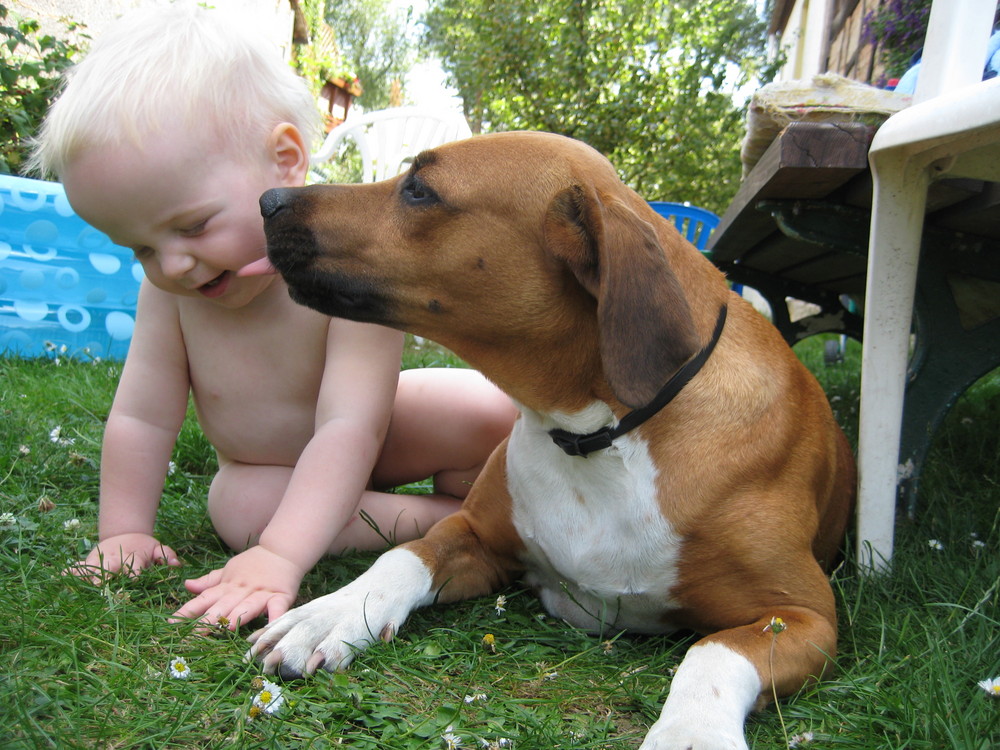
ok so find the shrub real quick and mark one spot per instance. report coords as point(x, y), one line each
point(30, 66)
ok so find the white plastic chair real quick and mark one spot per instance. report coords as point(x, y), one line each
point(389, 139)
point(952, 130)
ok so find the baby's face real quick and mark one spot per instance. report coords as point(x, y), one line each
point(189, 212)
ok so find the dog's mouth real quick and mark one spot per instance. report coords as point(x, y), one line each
point(337, 294)
point(310, 269)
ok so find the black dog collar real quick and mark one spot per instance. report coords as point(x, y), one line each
point(575, 444)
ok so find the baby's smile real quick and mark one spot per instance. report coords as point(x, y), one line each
point(216, 286)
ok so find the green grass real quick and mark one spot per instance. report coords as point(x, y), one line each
point(85, 666)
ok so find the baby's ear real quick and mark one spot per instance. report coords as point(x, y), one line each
point(288, 150)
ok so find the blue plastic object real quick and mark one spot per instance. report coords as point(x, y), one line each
point(694, 223)
point(62, 282)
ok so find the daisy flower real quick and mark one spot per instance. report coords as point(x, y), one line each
point(934, 544)
point(179, 668)
point(450, 739)
point(991, 686)
point(55, 435)
point(24, 450)
point(476, 697)
point(501, 604)
point(269, 699)
point(800, 739)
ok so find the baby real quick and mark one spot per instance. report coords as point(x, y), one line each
point(164, 137)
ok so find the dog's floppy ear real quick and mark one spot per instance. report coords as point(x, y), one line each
point(643, 316)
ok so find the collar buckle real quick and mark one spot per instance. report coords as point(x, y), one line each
point(574, 444)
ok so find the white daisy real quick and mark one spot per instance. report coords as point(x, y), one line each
point(55, 435)
point(269, 699)
point(179, 668)
point(450, 739)
point(991, 686)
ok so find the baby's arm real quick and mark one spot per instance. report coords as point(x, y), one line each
point(325, 489)
point(145, 418)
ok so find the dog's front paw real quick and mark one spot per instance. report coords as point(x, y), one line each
point(710, 695)
point(327, 632)
point(681, 735)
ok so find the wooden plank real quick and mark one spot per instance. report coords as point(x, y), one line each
point(807, 160)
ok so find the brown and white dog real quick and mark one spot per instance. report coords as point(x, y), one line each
point(526, 255)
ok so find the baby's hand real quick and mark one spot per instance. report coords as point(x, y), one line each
point(255, 581)
point(131, 552)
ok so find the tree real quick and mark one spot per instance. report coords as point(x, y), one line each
point(649, 83)
point(376, 43)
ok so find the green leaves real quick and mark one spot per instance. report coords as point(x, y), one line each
point(374, 42)
point(649, 84)
point(30, 65)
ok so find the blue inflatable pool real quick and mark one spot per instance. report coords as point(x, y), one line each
point(64, 286)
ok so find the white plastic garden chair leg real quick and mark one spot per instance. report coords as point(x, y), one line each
point(896, 229)
point(912, 148)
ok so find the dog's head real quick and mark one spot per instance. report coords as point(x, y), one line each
point(524, 240)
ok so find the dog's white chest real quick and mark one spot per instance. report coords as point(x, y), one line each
point(599, 549)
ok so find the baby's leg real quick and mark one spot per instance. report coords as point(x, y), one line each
point(445, 424)
point(244, 497)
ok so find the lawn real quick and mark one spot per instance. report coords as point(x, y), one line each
point(85, 666)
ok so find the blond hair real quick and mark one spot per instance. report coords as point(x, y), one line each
point(174, 66)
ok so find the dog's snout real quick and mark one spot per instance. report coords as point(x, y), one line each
point(273, 201)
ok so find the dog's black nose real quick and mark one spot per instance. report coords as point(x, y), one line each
point(273, 201)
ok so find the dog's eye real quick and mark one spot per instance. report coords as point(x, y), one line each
point(416, 193)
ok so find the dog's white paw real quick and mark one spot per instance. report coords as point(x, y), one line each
point(680, 735)
point(710, 696)
point(327, 632)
